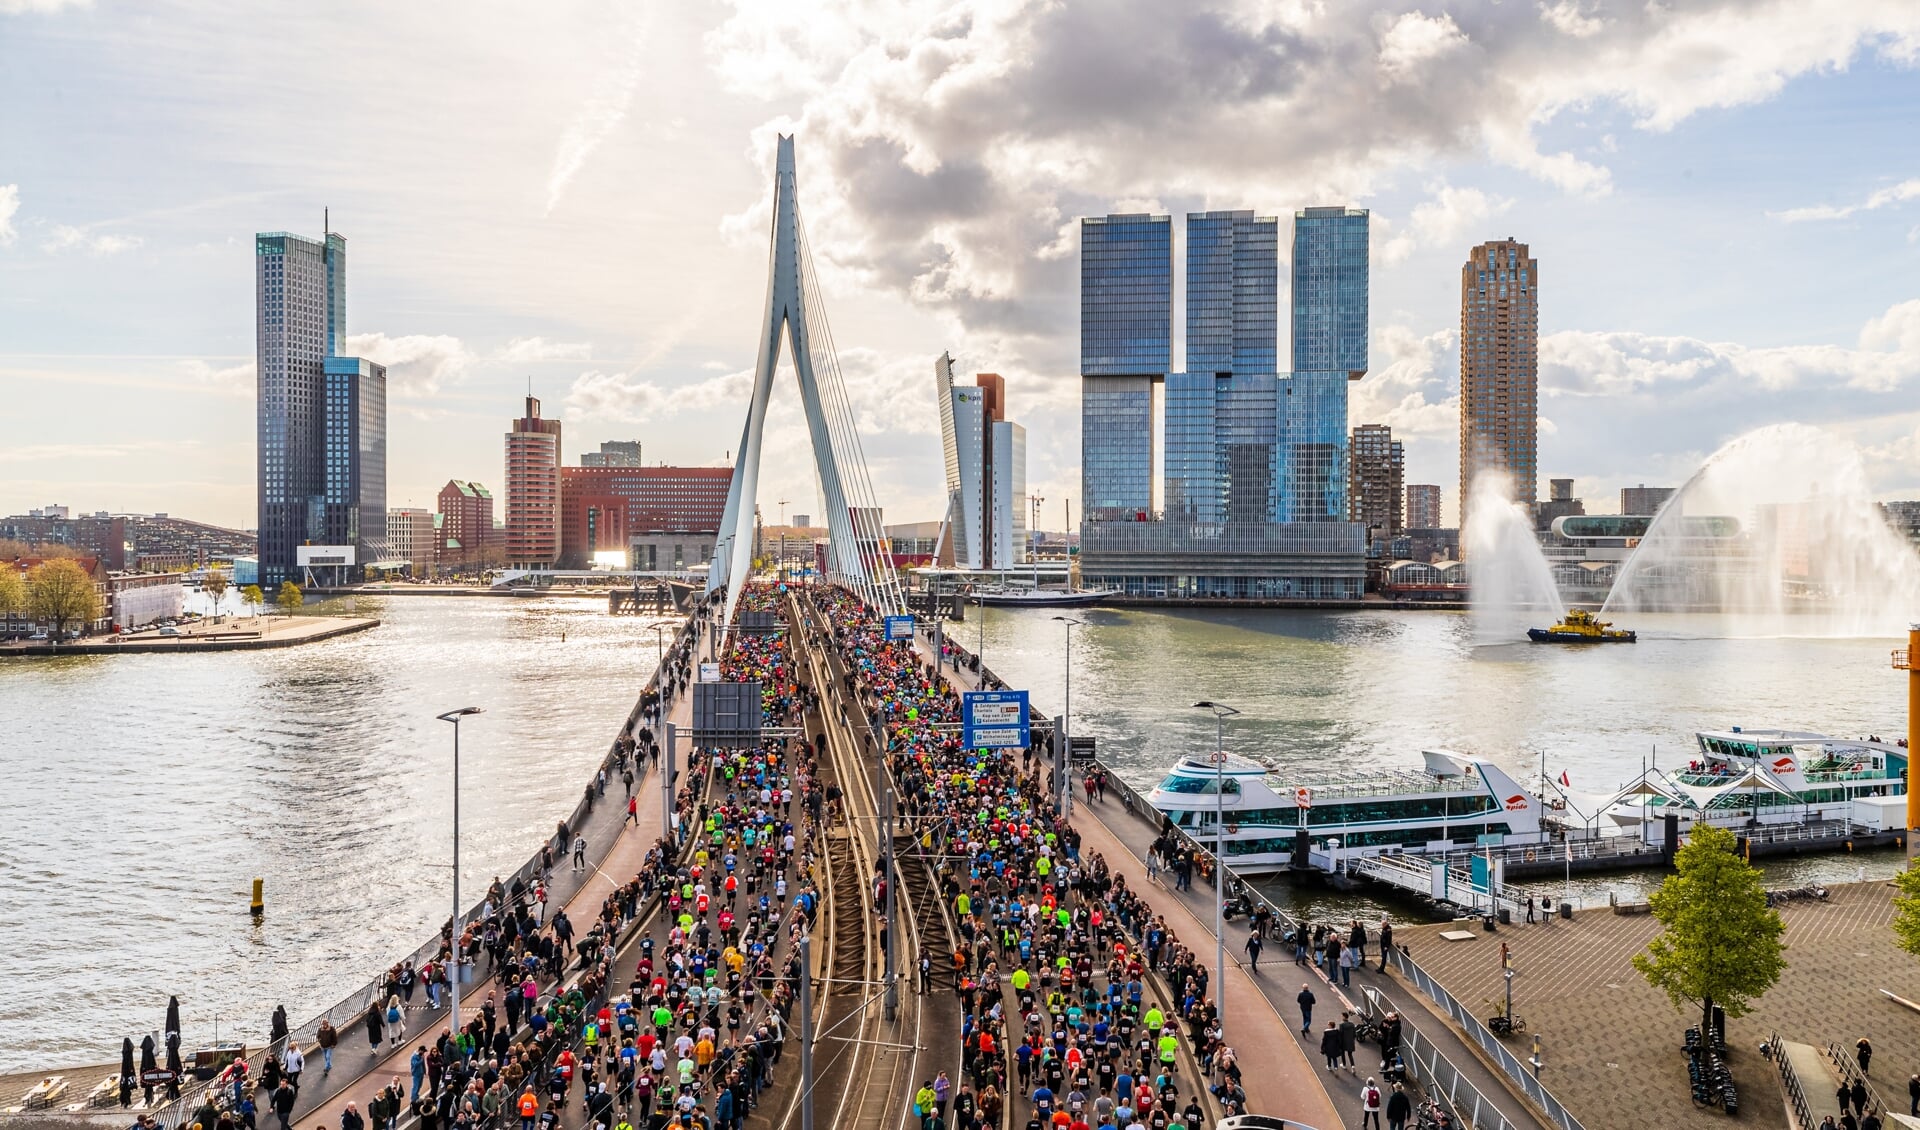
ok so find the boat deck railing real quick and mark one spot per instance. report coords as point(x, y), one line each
point(1385, 783)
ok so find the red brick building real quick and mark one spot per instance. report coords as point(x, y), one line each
point(533, 489)
point(466, 535)
point(662, 517)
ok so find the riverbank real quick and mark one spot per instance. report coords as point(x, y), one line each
point(238, 635)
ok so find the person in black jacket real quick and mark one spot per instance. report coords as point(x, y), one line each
point(283, 1105)
point(1332, 1046)
point(1399, 1108)
point(350, 1119)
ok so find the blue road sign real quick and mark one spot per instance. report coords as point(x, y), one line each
point(899, 628)
point(994, 720)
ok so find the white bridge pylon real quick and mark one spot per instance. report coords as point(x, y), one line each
point(856, 555)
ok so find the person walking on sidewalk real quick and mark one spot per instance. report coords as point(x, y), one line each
point(1306, 1009)
point(1331, 1046)
point(328, 1038)
point(579, 853)
point(1399, 1108)
point(1370, 1103)
point(1253, 951)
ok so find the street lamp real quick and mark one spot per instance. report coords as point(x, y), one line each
point(1221, 712)
point(453, 966)
point(1066, 726)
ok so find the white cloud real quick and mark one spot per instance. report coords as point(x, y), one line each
point(1442, 220)
point(629, 399)
point(19, 7)
point(1414, 40)
point(948, 145)
point(64, 237)
point(417, 364)
point(601, 114)
point(1894, 194)
point(9, 207)
point(540, 349)
point(231, 380)
point(1567, 18)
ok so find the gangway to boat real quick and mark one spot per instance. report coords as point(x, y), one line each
point(1435, 879)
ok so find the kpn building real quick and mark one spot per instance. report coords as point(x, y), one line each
point(1247, 500)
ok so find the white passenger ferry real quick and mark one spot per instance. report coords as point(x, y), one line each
point(1740, 777)
point(1457, 801)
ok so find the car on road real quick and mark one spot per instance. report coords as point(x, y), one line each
point(169, 631)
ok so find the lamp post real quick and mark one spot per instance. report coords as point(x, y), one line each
point(1221, 712)
point(1064, 732)
point(453, 966)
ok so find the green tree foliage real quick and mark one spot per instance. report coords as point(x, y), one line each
point(290, 598)
point(13, 590)
point(1906, 910)
point(60, 591)
point(253, 596)
point(1721, 943)
point(216, 587)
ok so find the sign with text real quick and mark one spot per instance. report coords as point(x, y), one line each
point(899, 628)
point(994, 720)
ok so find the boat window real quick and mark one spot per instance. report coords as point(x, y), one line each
point(1401, 808)
point(1180, 783)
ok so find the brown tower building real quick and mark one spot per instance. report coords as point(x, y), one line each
point(1376, 465)
point(1499, 367)
point(533, 489)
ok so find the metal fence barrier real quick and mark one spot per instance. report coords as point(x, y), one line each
point(1515, 1068)
point(1790, 1083)
point(1438, 1077)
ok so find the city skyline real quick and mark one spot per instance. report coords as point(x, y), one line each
point(1587, 132)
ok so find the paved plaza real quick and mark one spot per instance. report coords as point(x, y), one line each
point(1612, 1043)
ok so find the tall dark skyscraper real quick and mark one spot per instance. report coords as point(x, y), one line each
point(1233, 278)
point(1330, 291)
point(322, 476)
point(1500, 368)
point(1126, 346)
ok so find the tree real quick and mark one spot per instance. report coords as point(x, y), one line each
point(289, 598)
point(1721, 943)
point(13, 591)
point(61, 591)
point(216, 586)
point(1906, 910)
point(253, 596)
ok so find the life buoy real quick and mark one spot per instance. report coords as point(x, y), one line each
point(1529, 855)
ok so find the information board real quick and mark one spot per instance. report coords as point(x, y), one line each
point(994, 720)
point(728, 714)
point(899, 628)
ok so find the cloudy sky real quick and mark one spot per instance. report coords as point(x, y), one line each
point(1724, 198)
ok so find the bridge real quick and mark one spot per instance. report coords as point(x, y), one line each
point(543, 578)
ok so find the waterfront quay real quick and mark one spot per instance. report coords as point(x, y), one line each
point(235, 635)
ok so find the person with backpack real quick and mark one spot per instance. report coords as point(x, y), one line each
point(1370, 1103)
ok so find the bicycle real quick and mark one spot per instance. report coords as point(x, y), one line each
point(1501, 1023)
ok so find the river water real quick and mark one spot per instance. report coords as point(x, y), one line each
point(143, 793)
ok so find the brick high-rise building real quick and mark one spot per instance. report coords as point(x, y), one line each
point(1423, 506)
point(1643, 499)
point(466, 529)
point(533, 490)
point(411, 537)
point(1376, 467)
point(1499, 367)
point(658, 517)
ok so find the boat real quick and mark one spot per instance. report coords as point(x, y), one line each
point(1745, 777)
point(1013, 597)
point(1581, 626)
point(1277, 821)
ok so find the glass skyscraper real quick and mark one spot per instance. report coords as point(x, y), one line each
point(321, 472)
point(1233, 275)
point(1126, 346)
point(1330, 291)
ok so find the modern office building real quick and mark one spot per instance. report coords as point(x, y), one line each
point(1377, 468)
point(986, 471)
point(613, 453)
point(653, 518)
point(1499, 368)
point(355, 449)
point(1330, 291)
point(466, 531)
point(1423, 506)
point(1254, 457)
point(1126, 347)
point(1233, 304)
point(1560, 503)
point(413, 537)
point(533, 490)
point(321, 415)
point(1643, 499)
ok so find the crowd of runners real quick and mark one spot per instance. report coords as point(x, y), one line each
point(1057, 955)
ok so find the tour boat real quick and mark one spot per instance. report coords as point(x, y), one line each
point(1581, 626)
point(1037, 597)
point(1281, 820)
point(1742, 776)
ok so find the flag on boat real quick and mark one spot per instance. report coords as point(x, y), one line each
point(1569, 851)
point(1564, 779)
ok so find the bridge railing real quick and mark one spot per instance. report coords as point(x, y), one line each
point(1438, 1076)
point(1515, 1068)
